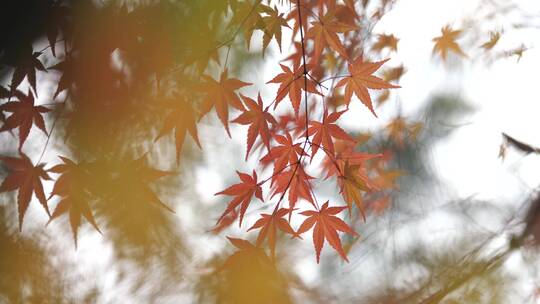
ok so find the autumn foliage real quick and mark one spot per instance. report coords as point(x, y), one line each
point(332, 65)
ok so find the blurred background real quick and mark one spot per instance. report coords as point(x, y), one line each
point(458, 225)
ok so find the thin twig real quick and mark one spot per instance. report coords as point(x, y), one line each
point(52, 127)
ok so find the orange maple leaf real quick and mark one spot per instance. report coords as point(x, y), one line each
point(394, 74)
point(292, 84)
point(385, 41)
point(287, 152)
point(248, 17)
point(447, 42)
point(353, 180)
point(324, 33)
point(24, 114)
point(258, 119)
point(296, 180)
point(221, 94)
point(327, 225)
point(345, 153)
point(493, 39)
point(243, 193)
point(27, 178)
point(361, 80)
point(399, 130)
point(324, 131)
point(269, 223)
point(273, 23)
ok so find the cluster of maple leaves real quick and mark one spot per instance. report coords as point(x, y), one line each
point(292, 141)
point(299, 147)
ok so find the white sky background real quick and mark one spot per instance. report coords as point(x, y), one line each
point(504, 93)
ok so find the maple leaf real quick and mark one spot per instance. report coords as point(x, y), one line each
point(518, 52)
point(24, 114)
point(225, 222)
point(269, 223)
point(323, 132)
point(182, 120)
point(324, 33)
point(293, 15)
point(399, 130)
point(203, 50)
point(296, 181)
point(394, 74)
point(4, 93)
point(327, 225)
point(70, 187)
point(27, 67)
point(27, 178)
point(378, 206)
point(493, 39)
point(345, 153)
point(386, 179)
point(292, 84)
point(250, 276)
point(258, 119)
point(293, 123)
point(385, 41)
point(247, 16)
point(446, 42)
point(67, 75)
point(241, 244)
point(272, 26)
point(361, 80)
point(346, 13)
point(296, 56)
point(58, 19)
point(287, 152)
point(132, 180)
point(354, 180)
point(243, 193)
point(221, 94)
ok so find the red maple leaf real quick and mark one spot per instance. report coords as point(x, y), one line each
point(269, 223)
point(220, 95)
point(24, 114)
point(327, 225)
point(27, 178)
point(292, 84)
point(361, 80)
point(296, 181)
point(283, 154)
point(243, 193)
point(324, 131)
point(27, 67)
point(258, 119)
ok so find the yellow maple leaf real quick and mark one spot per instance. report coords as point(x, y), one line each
point(493, 39)
point(447, 42)
point(385, 41)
